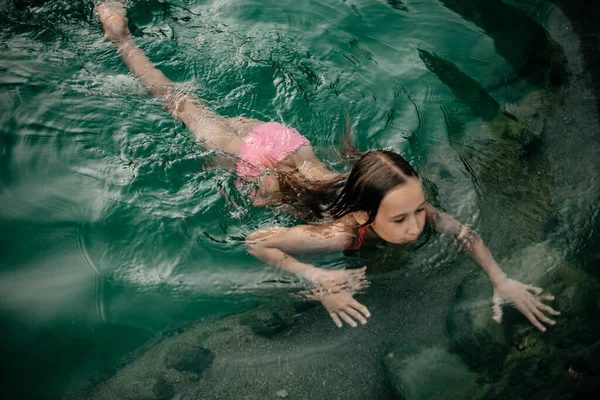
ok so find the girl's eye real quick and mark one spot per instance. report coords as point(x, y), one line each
point(399, 220)
point(421, 209)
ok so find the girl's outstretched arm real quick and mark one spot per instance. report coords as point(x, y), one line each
point(208, 127)
point(334, 287)
point(112, 17)
point(527, 299)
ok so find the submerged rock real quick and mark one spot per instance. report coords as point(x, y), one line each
point(522, 121)
point(266, 324)
point(520, 360)
point(154, 387)
point(548, 371)
point(480, 341)
point(187, 357)
point(421, 371)
point(528, 116)
point(584, 367)
point(476, 337)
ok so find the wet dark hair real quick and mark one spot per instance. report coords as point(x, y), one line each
point(375, 174)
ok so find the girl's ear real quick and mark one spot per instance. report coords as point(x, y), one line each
point(361, 217)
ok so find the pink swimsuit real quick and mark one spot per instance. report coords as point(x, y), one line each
point(267, 143)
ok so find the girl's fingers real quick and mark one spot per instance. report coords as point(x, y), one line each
point(531, 317)
point(535, 290)
point(356, 271)
point(545, 308)
point(547, 297)
point(356, 315)
point(533, 308)
point(356, 305)
point(458, 243)
point(347, 318)
point(497, 308)
point(336, 319)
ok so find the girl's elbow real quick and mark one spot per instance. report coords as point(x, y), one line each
point(250, 245)
point(253, 246)
point(259, 243)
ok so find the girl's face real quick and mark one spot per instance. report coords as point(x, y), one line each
point(401, 215)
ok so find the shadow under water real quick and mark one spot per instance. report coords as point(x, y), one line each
point(540, 60)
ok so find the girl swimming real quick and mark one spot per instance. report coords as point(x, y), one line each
point(380, 199)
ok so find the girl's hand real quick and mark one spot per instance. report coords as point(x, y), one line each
point(112, 17)
point(342, 305)
point(334, 290)
point(526, 299)
point(466, 238)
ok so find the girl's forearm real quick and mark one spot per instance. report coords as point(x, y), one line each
point(472, 242)
point(284, 261)
point(141, 66)
point(483, 257)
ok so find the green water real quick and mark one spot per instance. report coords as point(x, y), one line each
point(113, 229)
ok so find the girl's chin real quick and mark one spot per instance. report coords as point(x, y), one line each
point(407, 241)
point(403, 241)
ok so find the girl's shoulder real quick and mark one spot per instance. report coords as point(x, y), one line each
point(354, 233)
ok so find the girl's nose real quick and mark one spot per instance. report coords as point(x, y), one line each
point(413, 228)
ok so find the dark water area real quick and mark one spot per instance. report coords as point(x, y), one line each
point(123, 268)
point(583, 16)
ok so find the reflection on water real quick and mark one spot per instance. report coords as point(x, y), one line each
point(123, 267)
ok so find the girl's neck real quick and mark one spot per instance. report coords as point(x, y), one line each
point(369, 233)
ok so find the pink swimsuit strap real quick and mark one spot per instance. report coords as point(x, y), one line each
point(361, 237)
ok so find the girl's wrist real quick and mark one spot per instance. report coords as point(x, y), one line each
point(498, 278)
point(122, 42)
point(310, 273)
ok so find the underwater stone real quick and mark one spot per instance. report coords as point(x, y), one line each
point(421, 371)
point(481, 342)
point(551, 372)
point(564, 362)
point(576, 294)
point(526, 119)
point(266, 325)
point(585, 366)
point(154, 387)
point(477, 338)
point(186, 357)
